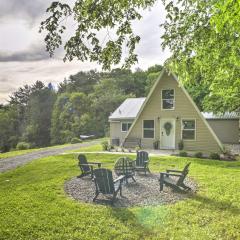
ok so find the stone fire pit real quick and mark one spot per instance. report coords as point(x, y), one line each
point(143, 192)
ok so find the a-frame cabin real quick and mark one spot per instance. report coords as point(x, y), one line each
point(167, 116)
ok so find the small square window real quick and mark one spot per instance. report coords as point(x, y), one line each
point(126, 126)
point(148, 123)
point(188, 124)
point(188, 134)
point(167, 104)
point(168, 94)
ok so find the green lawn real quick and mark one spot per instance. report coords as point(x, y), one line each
point(94, 148)
point(33, 204)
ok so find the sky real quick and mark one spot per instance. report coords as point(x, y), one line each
point(23, 59)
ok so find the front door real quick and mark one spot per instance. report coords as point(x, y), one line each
point(167, 133)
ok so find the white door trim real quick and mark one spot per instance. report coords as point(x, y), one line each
point(173, 120)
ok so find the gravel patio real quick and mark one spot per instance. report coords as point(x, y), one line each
point(143, 192)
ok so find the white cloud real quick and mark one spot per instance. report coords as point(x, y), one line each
point(15, 74)
point(20, 41)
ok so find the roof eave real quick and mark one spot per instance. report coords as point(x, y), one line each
point(233, 118)
point(119, 119)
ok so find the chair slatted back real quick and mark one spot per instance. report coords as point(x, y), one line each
point(184, 174)
point(142, 156)
point(104, 180)
point(83, 160)
point(124, 166)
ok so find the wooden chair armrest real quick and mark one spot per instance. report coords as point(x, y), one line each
point(170, 174)
point(172, 170)
point(88, 164)
point(95, 163)
point(120, 178)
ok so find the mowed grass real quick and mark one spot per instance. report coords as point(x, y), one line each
point(94, 148)
point(33, 204)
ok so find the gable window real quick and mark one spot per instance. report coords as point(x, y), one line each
point(168, 99)
point(148, 128)
point(189, 129)
point(126, 126)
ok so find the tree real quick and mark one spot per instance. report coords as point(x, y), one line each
point(203, 37)
point(153, 73)
point(127, 81)
point(199, 91)
point(92, 17)
point(80, 82)
point(204, 41)
point(155, 69)
point(39, 112)
point(105, 99)
point(8, 125)
point(21, 96)
point(69, 112)
point(151, 79)
point(61, 120)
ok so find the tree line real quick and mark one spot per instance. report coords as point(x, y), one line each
point(41, 115)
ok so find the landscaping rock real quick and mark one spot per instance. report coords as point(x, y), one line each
point(143, 192)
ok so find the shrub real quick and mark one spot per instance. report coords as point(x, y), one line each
point(33, 145)
point(183, 154)
point(13, 140)
point(214, 156)
point(23, 146)
point(104, 145)
point(180, 145)
point(198, 155)
point(75, 140)
point(4, 148)
point(64, 137)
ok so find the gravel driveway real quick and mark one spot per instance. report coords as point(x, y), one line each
point(13, 162)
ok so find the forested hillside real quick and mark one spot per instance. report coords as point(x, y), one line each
point(41, 115)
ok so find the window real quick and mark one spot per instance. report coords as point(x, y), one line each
point(168, 99)
point(188, 129)
point(148, 128)
point(126, 126)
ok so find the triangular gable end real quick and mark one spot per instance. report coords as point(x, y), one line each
point(188, 97)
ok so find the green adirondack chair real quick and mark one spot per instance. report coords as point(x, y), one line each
point(142, 161)
point(105, 184)
point(86, 167)
point(125, 166)
point(177, 182)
